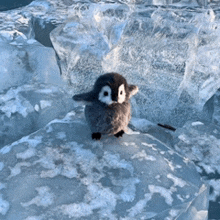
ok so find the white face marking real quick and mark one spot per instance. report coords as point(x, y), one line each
point(105, 95)
point(121, 93)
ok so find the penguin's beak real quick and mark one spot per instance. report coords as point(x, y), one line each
point(114, 99)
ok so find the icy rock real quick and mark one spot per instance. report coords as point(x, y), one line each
point(170, 53)
point(200, 142)
point(59, 172)
point(83, 41)
point(10, 4)
point(16, 25)
point(167, 53)
point(214, 106)
point(145, 126)
point(189, 3)
point(29, 62)
point(28, 108)
point(81, 45)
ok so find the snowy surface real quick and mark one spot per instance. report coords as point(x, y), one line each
point(27, 108)
point(170, 49)
point(58, 172)
point(200, 142)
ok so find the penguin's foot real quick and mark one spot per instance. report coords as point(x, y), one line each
point(96, 136)
point(119, 134)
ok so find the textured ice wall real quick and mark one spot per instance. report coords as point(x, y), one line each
point(170, 53)
point(27, 62)
point(22, 58)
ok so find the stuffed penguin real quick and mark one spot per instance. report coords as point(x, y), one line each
point(108, 108)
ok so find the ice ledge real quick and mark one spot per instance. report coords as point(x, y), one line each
point(61, 171)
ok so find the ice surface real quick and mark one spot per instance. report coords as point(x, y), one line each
point(22, 58)
point(4, 206)
point(27, 108)
point(214, 106)
point(200, 142)
point(68, 175)
point(21, 64)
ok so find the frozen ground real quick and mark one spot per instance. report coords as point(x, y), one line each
point(58, 172)
point(51, 169)
point(27, 108)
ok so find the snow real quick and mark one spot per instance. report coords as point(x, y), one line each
point(34, 218)
point(4, 206)
point(30, 152)
point(36, 108)
point(143, 156)
point(197, 123)
point(173, 213)
point(139, 207)
point(76, 210)
point(26, 108)
point(166, 193)
point(45, 198)
point(17, 168)
point(61, 135)
point(177, 181)
point(45, 104)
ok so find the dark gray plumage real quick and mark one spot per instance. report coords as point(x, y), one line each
point(108, 108)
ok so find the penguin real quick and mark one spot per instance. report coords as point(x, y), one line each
point(108, 109)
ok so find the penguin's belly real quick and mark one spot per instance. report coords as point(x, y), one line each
point(108, 119)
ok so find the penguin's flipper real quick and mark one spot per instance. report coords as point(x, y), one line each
point(133, 90)
point(84, 97)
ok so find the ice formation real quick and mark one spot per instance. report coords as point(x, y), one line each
point(31, 62)
point(27, 108)
point(171, 54)
point(52, 49)
point(71, 176)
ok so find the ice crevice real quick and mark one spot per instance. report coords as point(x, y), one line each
point(42, 31)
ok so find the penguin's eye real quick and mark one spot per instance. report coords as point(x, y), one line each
point(105, 95)
point(121, 94)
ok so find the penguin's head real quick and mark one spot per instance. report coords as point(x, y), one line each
point(112, 88)
point(108, 89)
